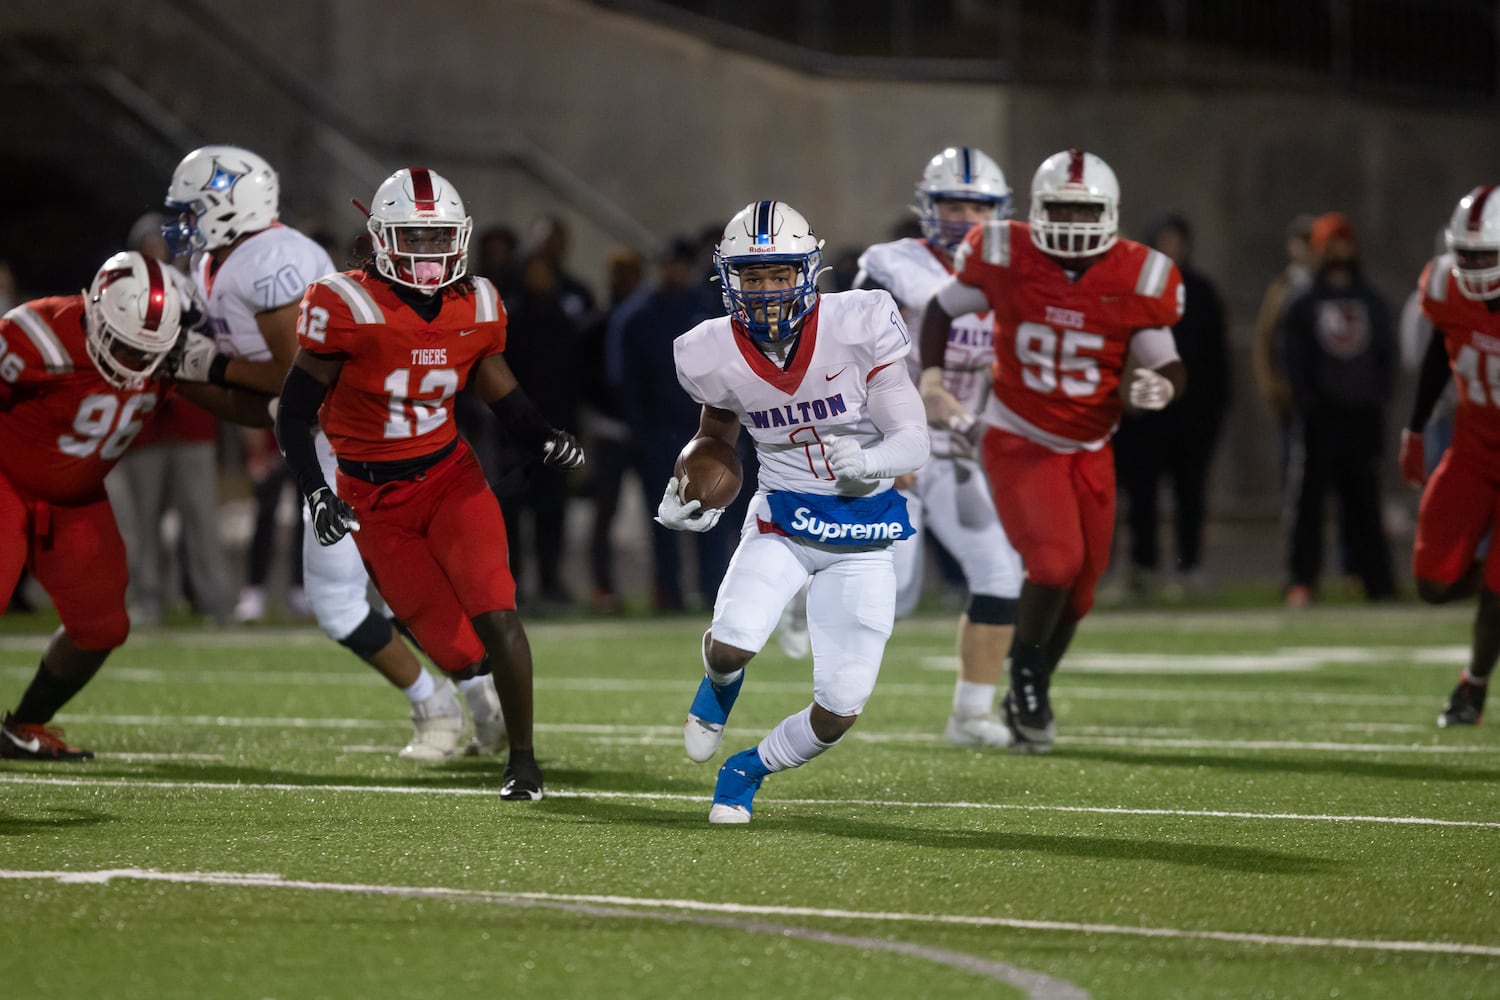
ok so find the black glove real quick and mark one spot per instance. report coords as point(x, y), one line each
point(332, 518)
point(562, 449)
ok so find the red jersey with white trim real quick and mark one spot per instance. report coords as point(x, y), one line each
point(1471, 333)
point(63, 426)
point(1061, 344)
point(394, 397)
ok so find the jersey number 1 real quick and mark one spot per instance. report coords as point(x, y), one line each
point(409, 418)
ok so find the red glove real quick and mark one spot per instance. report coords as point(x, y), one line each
point(1413, 458)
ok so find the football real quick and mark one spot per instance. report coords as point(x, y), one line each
point(711, 470)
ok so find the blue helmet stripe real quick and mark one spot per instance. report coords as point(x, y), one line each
point(763, 219)
point(968, 167)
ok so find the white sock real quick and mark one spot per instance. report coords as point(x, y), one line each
point(792, 743)
point(972, 700)
point(421, 690)
point(470, 684)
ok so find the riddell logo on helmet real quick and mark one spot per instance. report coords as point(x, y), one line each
point(761, 249)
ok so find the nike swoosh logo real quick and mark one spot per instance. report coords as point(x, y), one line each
point(465, 333)
point(30, 746)
point(830, 378)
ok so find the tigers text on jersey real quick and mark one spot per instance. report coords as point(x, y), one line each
point(1061, 345)
point(63, 426)
point(394, 396)
point(1471, 333)
point(270, 269)
point(847, 337)
point(912, 270)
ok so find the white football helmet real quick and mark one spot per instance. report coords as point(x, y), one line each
point(769, 232)
point(1475, 226)
point(420, 230)
point(219, 193)
point(1076, 178)
point(132, 313)
point(964, 174)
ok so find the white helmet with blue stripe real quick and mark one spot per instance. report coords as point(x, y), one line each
point(762, 233)
point(959, 173)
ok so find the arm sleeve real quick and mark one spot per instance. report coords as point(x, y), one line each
point(1431, 382)
point(1153, 347)
point(957, 298)
point(896, 408)
point(523, 420)
point(296, 416)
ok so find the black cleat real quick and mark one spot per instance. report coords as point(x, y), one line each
point(1031, 732)
point(32, 741)
point(523, 780)
point(1465, 705)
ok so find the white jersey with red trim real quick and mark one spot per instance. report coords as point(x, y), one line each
point(912, 270)
point(269, 270)
point(790, 412)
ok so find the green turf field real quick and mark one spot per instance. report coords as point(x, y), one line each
point(1242, 804)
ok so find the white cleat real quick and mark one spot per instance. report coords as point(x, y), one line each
point(977, 731)
point(721, 813)
point(700, 738)
point(437, 724)
point(489, 720)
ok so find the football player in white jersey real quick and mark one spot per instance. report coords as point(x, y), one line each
point(950, 496)
point(820, 383)
point(251, 271)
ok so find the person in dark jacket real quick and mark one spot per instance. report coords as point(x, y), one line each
point(662, 416)
point(1177, 444)
point(1339, 343)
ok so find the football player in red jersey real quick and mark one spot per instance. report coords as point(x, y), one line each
point(1461, 296)
point(1075, 306)
point(382, 352)
point(79, 377)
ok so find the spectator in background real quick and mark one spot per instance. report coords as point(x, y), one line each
point(1339, 343)
point(498, 251)
point(662, 417)
point(1265, 356)
point(550, 241)
point(269, 479)
point(606, 432)
point(1177, 443)
point(502, 465)
point(541, 349)
point(173, 466)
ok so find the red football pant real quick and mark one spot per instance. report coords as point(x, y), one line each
point(1460, 505)
point(78, 557)
point(435, 548)
point(1058, 510)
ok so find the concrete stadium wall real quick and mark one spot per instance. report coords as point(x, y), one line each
point(678, 134)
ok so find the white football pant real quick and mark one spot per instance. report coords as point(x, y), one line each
point(334, 577)
point(952, 500)
point(851, 606)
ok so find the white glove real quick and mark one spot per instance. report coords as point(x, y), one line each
point(678, 515)
point(845, 457)
point(1150, 390)
point(943, 408)
point(194, 358)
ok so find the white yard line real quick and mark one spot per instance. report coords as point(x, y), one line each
point(263, 880)
point(250, 786)
point(631, 733)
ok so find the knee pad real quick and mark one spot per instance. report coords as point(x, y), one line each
point(369, 636)
point(987, 610)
